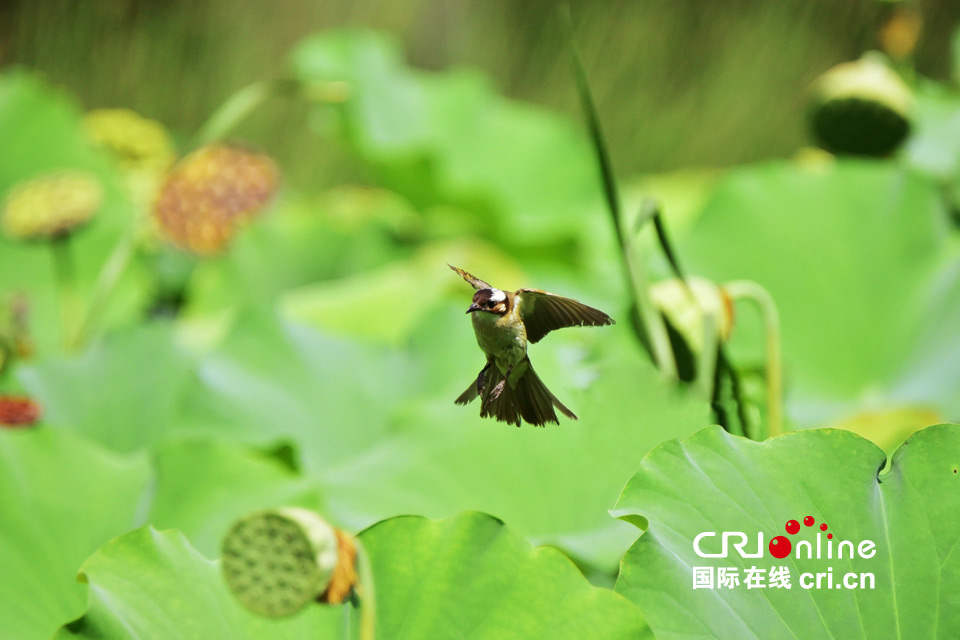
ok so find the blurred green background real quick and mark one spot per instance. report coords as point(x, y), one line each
point(679, 82)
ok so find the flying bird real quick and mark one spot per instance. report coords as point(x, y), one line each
point(505, 323)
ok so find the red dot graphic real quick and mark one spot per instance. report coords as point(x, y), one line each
point(792, 527)
point(779, 547)
point(829, 536)
point(808, 521)
point(823, 527)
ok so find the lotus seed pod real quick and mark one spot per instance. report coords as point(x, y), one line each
point(18, 411)
point(861, 108)
point(51, 205)
point(137, 143)
point(141, 148)
point(686, 308)
point(276, 562)
point(210, 193)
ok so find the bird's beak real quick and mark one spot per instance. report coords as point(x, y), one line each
point(473, 307)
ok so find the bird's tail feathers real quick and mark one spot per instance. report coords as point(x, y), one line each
point(527, 398)
point(469, 395)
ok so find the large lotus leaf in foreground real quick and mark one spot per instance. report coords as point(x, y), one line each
point(151, 584)
point(60, 499)
point(465, 576)
point(714, 482)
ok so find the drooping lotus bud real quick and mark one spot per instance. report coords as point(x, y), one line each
point(210, 193)
point(51, 205)
point(686, 308)
point(137, 143)
point(18, 411)
point(861, 108)
point(277, 561)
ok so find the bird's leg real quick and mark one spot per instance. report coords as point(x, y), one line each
point(497, 390)
point(482, 379)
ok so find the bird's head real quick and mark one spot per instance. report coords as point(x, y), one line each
point(490, 301)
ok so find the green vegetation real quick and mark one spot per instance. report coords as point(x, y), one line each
point(215, 341)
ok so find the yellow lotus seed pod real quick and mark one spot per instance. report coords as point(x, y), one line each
point(686, 309)
point(137, 143)
point(210, 193)
point(278, 561)
point(861, 108)
point(51, 205)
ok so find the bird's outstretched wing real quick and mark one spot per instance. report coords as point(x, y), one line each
point(543, 312)
point(474, 281)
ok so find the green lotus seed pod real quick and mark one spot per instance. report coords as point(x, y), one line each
point(134, 141)
point(51, 205)
point(276, 562)
point(861, 108)
point(141, 148)
point(686, 308)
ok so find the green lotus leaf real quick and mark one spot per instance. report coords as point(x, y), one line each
point(861, 261)
point(450, 139)
point(273, 382)
point(107, 392)
point(304, 242)
point(466, 576)
point(151, 584)
point(713, 482)
point(62, 498)
point(470, 575)
point(201, 487)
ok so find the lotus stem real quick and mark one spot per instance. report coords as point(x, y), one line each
point(66, 277)
point(753, 292)
point(113, 269)
point(366, 593)
point(245, 101)
point(653, 335)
